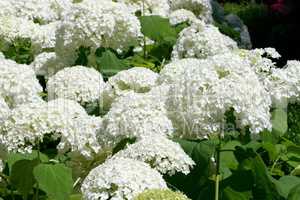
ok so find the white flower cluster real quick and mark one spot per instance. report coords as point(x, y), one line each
point(137, 79)
point(96, 24)
point(120, 179)
point(148, 7)
point(205, 90)
point(201, 8)
point(162, 154)
point(18, 83)
point(201, 41)
point(284, 84)
point(78, 83)
point(47, 64)
point(41, 36)
point(4, 110)
point(181, 15)
point(134, 115)
point(43, 11)
point(60, 119)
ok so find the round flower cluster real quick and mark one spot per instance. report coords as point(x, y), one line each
point(60, 119)
point(201, 41)
point(96, 24)
point(137, 79)
point(41, 11)
point(180, 16)
point(148, 7)
point(162, 154)
point(78, 83)
point(41, 36)
point(158, 194)
point(4, 110)
point(134, 115)
point(201, 96)
point(18, 83)
point(201, 8)
point(284, 84)
point(47, 64)
point(120, 179)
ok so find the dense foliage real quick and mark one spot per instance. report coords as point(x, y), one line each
point(141, 99)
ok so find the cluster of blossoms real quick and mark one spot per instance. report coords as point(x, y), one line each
point(78, 83)
point(119, 179)
point(137, 79)
point(134, 115)
point(28, 125)
point(4, 110)
point(203, 90)
point(94, 24)
point(161, 194)
point(164, 155)
point(18, 83)
point(201, 41)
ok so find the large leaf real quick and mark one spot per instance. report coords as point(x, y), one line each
point(158, 29)
point(286, 183)
point(230, 194)
point(197, 183)
point(294, 193)
point(22, 176)
point(227, 158)
point(264, 185)
point(55, 180)
point(109, 63)
point(14, 157)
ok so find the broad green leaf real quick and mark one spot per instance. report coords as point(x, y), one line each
point(264, 185)
point(279, 121)
point(158, 29)
point(294, 193)
point(109, 63)
point(14, 157)
point(228, 160)
point(55, 180)
point(286, 183)
point(230, 194)
point(22, 176)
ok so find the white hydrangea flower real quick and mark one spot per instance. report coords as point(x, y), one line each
point(41, 36)
point(78, 83)
point(1, 167)
point(176, 69)
point(160, 93)
point(61, 119)
point(4, 110)
point(201, 41)
point(2, 55)
point(149, 7)
point(162, 154)
point(199, 99)
point(96, 24)
point(137, 79)
point(284, 84)
point(18, 83)
point(119, 179)
point(134, 115)
point(40, 10)
point(201, 8)
point(180, 16)
point(47, 64)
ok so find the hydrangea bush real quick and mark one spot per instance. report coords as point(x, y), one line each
point(141, 99)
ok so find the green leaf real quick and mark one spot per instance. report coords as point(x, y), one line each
point(14, 157)
point(55, 180)
point(264, 185)
point(22, 176)
point(109, 63)
point(228, 160)
point(230, 194)
point(279, 121)
point(158, 29)
point(294, 193)
point(286, 183)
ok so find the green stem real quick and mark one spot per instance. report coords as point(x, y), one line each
point(39, 160)
point(144, 37)
point(217, 175)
